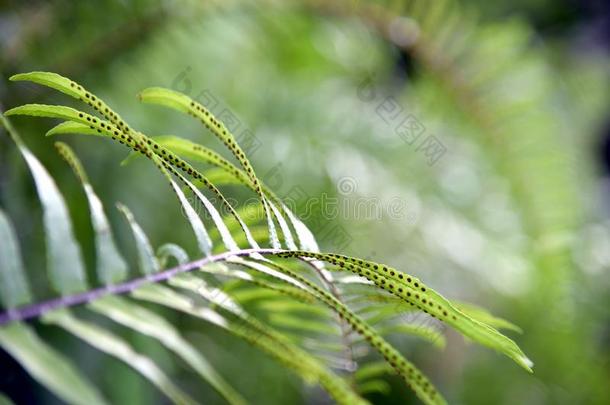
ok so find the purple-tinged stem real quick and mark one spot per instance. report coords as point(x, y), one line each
point(38, 309)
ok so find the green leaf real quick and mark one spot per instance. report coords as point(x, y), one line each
point(411, 374)
point(110, 265)
point(483, 315)
point(185, 104)
point(148, 263)
point(44, 110)
point(227, 239)
point(49, 79)
point(173, 250)
point(374, 386)
point(149, 323)
point(372, 370)
point(65, 264)
point(203, 239)
point(71, 127)
point(47, 366)
point(14, 287)
point(412, 290)
point(115, 346)
point(252, 331)
point(192, 150)
point(137, 142)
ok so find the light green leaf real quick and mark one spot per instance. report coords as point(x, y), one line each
point(137, 142)
point(149, 323)
point(411, 374)
point(197, 152)
point(110, 265)
point(372, 370)
point(71, 127)
point(148, 263)
point(412, 290)
point(65, 264)
point(52, 80)
point(374, 386)
point(14, 287)
point(254, 332)
point(185, 104)
point(115, 346)
point(47, 366)
point(483, 315)
point(164, 252)
point(203, 239)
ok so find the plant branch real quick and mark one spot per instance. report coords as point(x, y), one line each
point(38, 309)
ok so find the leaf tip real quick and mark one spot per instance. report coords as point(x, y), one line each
point(51, 132)
point(526, 363)
point(12, 111)
point(17, 77)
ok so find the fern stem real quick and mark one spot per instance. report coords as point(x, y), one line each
point(41, 308)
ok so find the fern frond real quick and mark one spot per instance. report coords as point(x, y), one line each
point(413, 291)
point(257, 273)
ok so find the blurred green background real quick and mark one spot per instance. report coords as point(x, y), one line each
point(478, 130)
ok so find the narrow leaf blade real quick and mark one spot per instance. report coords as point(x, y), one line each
point(14, 289)
point(115, 346)
point(47, 366)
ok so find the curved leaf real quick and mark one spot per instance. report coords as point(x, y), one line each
point(147, 259)
point(115, 346)
point(173, 250)
point(110, 265)
point(14, 288)
point(149, 323)
point(65, 264)
point(412, 290)
point(185, 104)
point(47, 366)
